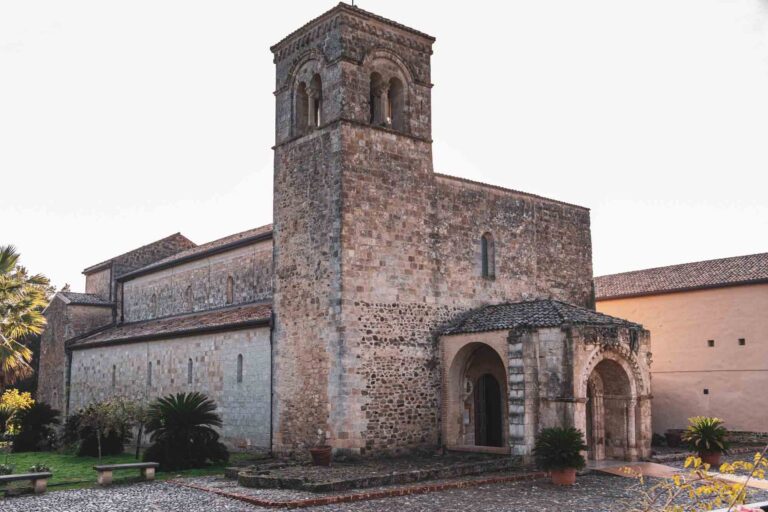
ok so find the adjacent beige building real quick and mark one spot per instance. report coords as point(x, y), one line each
point(710, 337)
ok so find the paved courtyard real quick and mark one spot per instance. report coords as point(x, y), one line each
point(592, 493)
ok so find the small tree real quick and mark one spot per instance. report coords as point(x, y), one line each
point(109, 416)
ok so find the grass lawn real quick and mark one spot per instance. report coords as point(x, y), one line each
point(70, 471)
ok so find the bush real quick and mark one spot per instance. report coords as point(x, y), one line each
point(36, 431)
point(83, 438)
point(706, 435)
point(6, 469)
point(39, 468)
point(560, 448)
point(182, 434)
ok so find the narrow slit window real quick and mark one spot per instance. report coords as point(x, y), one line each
point(240, 368)
point(189, 371)
point(230, 290)
point(114, 375)
point(149, 373)
point(487, 256)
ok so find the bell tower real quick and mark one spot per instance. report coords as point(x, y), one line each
point(353, 183)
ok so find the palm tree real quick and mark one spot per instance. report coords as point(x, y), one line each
point(181, 428)
point(22, 300)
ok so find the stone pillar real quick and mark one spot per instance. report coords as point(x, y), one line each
point(314, 94)
point(631, 430)
point(598, 426)
point(381, 112)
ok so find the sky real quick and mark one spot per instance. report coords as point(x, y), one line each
point(124, 122)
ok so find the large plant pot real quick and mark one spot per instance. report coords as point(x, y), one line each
point(321, 455)
point(565, 476)
point(711, 458)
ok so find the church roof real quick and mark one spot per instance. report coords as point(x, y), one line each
point(532, 313)
point(83, 299)
point(202, 251)
point(225, 319)
point(687, 276)
point(145, 254)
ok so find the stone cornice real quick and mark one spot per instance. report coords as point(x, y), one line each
point(356, 18)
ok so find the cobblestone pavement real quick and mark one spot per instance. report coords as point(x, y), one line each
point(592, 493)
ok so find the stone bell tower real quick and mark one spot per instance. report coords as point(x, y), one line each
point(355, 280)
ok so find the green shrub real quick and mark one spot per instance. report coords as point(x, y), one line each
point(182, 433)
point(706, 435)
point(83, 438)
point(36, 428)
point(559, 448)
point(39, 468)
point(6, 469)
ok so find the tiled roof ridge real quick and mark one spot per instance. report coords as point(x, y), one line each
point(681, 265)
point(253, 314)
point(539, 312)
point(695, 275)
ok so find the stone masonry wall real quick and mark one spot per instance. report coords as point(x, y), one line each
point(64, 322)
point(122, 370)
point(201, 285)
point(305, 304)
point(374, 252)
point(99, 283)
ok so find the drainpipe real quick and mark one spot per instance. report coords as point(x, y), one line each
point(271, 379)
point(67, 381)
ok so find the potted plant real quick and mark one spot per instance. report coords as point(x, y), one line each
point(708, 438)
point(558, 450)
point(321, 452)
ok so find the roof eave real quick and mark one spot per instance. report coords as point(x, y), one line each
point(236, 326)
point(667, 291)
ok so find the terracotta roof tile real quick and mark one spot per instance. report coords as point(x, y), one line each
point(176, 326)
point(688, 276)
point(84, 299)
point(533, 313)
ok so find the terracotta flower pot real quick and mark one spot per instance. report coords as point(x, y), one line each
point(565, 476)
point(321, 455)
point(711, 458)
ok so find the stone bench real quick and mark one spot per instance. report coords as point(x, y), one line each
point(105, 471)
point(39, 480)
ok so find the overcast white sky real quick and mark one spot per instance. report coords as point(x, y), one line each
point(124, 122)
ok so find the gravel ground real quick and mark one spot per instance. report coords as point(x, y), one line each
point(592, 493)
point(143, 497)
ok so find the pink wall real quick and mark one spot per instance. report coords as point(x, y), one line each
point(684, 365)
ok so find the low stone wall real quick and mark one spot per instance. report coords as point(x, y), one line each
point(260, 477)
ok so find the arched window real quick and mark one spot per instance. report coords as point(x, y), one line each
point(396, 104)
point(240, 368)
point(189, 371)
point(488, 256)
point(189, 299)
point(315, 93)
point(153, 305)
point(302, 102)
point(378, 100)
point(149, 373)
point(114, 375)
point(230, 290)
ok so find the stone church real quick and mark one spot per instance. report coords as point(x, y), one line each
point(387, 308)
